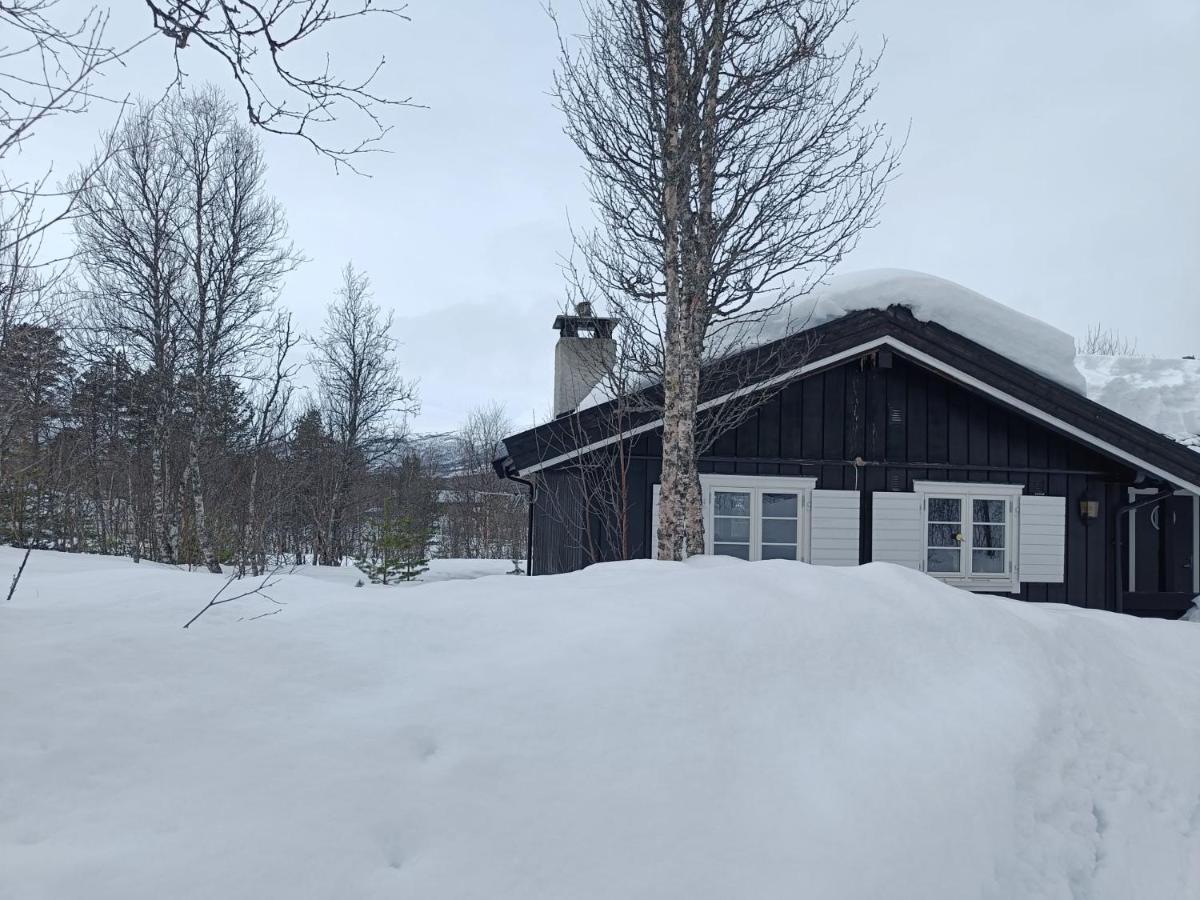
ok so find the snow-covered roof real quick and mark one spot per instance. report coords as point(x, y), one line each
point(1162, 394)
point(1023, 339)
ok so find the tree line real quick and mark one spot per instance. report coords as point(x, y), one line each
point(732, 163)
point(148, 403)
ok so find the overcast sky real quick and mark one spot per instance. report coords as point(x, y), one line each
point(1053, 165)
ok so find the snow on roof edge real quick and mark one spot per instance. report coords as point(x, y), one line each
point(1025, 340)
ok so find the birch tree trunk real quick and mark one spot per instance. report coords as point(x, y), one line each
point(250, 532)
point(200, 400)
point(332, 555)
point(135, 550)
point(164, 545)
point(200, 519)
point(678, 415)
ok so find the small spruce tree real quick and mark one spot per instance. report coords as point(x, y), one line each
point(379, 559)
point(398, 546)
point(410, 541)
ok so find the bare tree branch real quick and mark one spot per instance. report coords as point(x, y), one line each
point(12, 588)
point(253, 40)
point(269, 581)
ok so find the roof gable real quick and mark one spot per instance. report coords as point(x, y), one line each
point(854, 335)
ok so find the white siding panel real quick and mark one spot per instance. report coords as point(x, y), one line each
point(896, 528)
point(1042, 550)
point(834, 528)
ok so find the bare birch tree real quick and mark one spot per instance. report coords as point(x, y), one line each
point(731, 166)
point(234, 244)
point(128, 240)
point(55, 53)
point(51, 55)
point(270, 415)
point(183, 252)
point(362, 394)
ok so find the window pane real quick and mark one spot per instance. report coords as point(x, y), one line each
point(988, 536)
point(779, 531)
point(741, 551)
point(987, 561)
point(727, 503)
point(988, 510)
point(943, 535)
point(727, 529)
point(779, 505)
point(943, 560)
point(779, 551)
point(945, 509)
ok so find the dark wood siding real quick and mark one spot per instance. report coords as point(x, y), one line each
point(1164, 546)
point(557, 523)
point(902, 423)
point(561, 437)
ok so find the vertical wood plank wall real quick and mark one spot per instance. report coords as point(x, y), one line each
point(906, 424)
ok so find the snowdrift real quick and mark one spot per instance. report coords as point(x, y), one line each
point(1162, 394)
point(714, 729)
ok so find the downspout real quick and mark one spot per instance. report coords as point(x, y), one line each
point(503, 467)
point(1124, 512)
point(529, 527)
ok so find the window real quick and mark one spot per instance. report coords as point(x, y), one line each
point(754, 517)
point(759, 517)
point(731, 521)
point(969, 533)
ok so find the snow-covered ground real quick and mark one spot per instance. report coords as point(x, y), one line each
point(439, 570)
point(714, 729)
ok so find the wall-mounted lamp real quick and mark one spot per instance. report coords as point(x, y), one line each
point(1089, 509)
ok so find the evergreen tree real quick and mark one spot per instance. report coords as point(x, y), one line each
point(398, 549)
point(410, 541)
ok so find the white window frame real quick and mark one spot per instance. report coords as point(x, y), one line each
point(756, 486)
point(967, 491)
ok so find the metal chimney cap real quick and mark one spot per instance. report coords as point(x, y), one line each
point(584, 321)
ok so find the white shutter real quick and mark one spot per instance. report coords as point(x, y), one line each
point(896, 529)
point(1042, 548)
point(833, 525)
point(654, 524)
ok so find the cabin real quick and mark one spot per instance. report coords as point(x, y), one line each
point(907, 420)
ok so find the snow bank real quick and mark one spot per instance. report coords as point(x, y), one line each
point(638, 730)
point(1162, 394)
point(1014, 335)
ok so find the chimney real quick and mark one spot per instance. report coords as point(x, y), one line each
point(584, 354)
